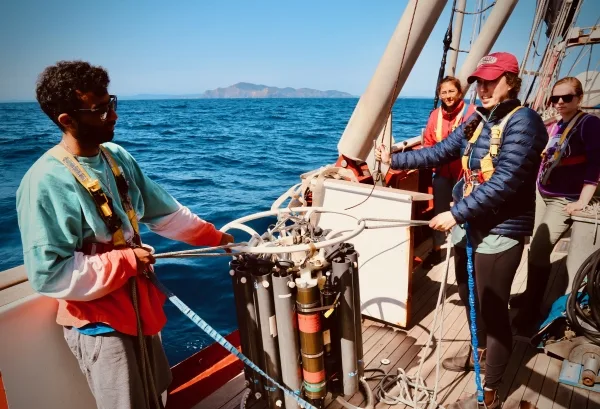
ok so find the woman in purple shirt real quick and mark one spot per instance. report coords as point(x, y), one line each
point(567, 182)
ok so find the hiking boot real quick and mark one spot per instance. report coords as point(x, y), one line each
point(464, 363)
point(471, 402)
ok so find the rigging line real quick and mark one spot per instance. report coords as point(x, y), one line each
point(590, 59)
point(475, 12)
point(583, 47)
point(597, 66)
point(447, 41)
point(483, 16)
point(472, 94)
point(532, 78)
point(573, 20)
point(391, 108)
point(591, 83)
point(534, 29)
point(561, 54)
point(474, 28)
point(580, 57)
point(458, 50)
point(549, 56)
point(480, 18)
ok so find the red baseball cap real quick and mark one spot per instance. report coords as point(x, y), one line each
point(493, 66)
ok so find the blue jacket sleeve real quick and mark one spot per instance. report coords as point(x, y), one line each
point(523, 140)
point(441, 153)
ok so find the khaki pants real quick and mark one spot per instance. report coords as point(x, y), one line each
point(551, 223)
point(110, 364)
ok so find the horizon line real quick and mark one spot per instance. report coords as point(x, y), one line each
point(140, 97)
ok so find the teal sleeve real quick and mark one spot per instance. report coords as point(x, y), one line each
point(161, 212)
point(52, 209)
point(50, 220)
point(150, 200)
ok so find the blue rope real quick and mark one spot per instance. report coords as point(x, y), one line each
point(219, 338)
point(473, 316)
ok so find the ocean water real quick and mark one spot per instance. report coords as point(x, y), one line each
point(223, 158)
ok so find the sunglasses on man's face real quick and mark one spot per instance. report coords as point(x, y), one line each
point(566, 98)
point(103, 109)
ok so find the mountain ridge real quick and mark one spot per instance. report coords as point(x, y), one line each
point(248, 90)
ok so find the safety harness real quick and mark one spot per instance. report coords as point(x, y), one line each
point(440, 120)
point(103, 202)
point(114, 224)
point(557, 160)
point(473, 178)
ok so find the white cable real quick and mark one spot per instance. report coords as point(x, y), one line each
point(412, 390)
point(270, 248)
point(273, 247)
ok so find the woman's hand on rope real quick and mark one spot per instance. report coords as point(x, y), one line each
point(382, 154)
point(144, 259)
point(443, 222)
point(226, 238)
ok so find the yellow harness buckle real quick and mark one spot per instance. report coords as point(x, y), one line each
point(102, 201)
point(486, 165)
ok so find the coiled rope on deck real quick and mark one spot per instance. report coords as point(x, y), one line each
point(412, 391)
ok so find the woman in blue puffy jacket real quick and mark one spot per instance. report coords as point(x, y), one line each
point(500, 147)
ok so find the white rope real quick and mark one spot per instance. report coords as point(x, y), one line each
point(203, 252)
point(247, 248)
point(412, 390)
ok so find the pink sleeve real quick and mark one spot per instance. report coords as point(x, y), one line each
point(84, 277)
point(187, 227)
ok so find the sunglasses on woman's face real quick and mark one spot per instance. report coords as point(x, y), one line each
point(566, 98)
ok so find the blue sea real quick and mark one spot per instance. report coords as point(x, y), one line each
point(223, 158)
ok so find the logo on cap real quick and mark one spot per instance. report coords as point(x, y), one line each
point(488, 59)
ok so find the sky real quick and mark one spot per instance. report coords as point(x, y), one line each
point(187, 47)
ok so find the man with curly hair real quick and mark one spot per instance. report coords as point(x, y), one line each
point(78, 209)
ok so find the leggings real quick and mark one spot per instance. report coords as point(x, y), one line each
point(494, 274)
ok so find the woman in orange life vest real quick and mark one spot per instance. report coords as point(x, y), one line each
point(567, 182)
point(441, 123)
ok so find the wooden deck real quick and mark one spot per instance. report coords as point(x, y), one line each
point(530, 376)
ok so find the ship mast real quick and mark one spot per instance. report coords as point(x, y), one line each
point(486, 38)
point(411, 34)
point(456, 34)
point(374, 106)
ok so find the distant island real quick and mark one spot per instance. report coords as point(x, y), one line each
point(248, 90)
